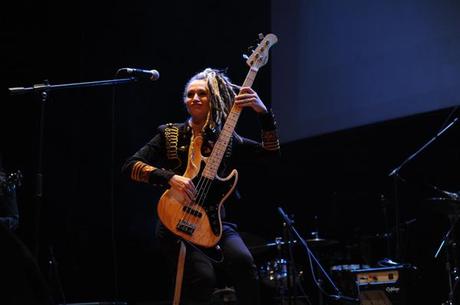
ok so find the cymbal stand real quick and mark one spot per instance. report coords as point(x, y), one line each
point(451, 259)
point(291, 277)
point(280, 275)
point(397, 177)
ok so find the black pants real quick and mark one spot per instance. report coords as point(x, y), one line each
point(202, 275)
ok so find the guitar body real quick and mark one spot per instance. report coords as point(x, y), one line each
point(198, 222)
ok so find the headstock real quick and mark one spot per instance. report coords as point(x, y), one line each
point(259, 56)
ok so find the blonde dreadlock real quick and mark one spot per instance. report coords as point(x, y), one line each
point(222, 93)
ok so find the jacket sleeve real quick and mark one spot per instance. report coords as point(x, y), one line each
point(145, 165)
point(248, 150)
point(270, 140)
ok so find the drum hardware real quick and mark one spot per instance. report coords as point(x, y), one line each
point(274, 273)
point(315, 265)
point(348, 267)
point(317, 242)
point(450, 206)
point(224, 296)
point(387, 262)
point(445, 205)
point(448, 242)
point(288, 291)
point(278, 242)
point(395, 173)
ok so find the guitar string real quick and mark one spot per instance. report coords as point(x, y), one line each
point(202, 191)
point(187, 217)
point(200, 195)
point(207, 182)
point(194, 201)
point(205, 189)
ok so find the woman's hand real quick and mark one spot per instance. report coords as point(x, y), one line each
point(184, 186)
point(249, 98)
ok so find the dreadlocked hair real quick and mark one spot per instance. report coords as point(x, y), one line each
point(222, 93)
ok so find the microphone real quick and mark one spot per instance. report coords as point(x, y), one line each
point(140, 73)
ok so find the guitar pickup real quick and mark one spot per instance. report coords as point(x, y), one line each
point(192, 211)
point(186, 227)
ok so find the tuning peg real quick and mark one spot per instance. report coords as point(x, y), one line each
point(252, 48)
point(245, 56)
point(261, 36)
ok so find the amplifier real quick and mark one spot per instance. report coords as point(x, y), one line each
point(376, 286)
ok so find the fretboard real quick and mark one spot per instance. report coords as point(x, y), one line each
point(214, 160)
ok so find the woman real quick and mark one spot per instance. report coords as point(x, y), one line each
point(208, 97)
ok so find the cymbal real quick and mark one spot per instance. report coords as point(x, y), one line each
point(445, 205)
point(314, 242)
point(270, 244)
point(321, 242)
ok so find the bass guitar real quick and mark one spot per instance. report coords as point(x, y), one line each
point(199, 222)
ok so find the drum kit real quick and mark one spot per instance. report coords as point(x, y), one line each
point(276, 268)
point(280, 273)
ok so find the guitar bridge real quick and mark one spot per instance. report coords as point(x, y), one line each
point(186, 227)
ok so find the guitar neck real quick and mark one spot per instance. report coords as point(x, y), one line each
point(214, 160)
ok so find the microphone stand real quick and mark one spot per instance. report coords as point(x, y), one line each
point(42, 90)
point(46, 87)
point(395, 173)
point(397, 169)
point(338, 294)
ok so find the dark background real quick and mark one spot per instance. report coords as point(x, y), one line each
point(360, 62)
point(99, 227)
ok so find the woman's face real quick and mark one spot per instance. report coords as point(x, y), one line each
point(197, 101)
